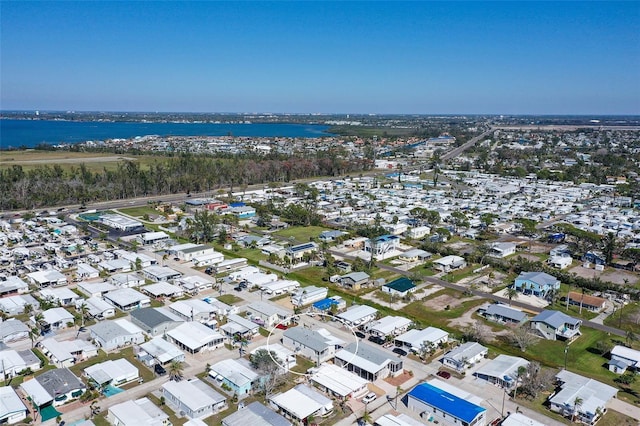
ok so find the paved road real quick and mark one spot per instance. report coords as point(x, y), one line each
point(457, 151)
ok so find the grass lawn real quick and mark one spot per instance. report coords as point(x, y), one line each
point(419, 312)
point(301, 234)
point(101, 419)
point(623, 318)
point(252, 255)
point(139, 211)
point(302, 365)
point(94, 162)
point(230, 299)
point(573, 310)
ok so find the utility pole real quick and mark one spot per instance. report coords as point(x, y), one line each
point(566, 352)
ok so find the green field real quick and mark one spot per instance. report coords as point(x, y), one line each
point(139, 211)
point(301, 234)
point(94, 162)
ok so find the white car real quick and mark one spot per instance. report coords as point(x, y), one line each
point(371, 396)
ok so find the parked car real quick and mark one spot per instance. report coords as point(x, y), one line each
point(399, 351)
point(237, 288)
point(159, 369)
point(376, 339)
point(360, 334)
point(371, 396)
point(443, 374)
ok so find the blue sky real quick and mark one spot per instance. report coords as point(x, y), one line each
point(305, 57)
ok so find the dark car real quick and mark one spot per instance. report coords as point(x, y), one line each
point(399, 351)
point(160, 371)
point(360, 334)
point(238, 288)
point(209, 271)
point(376, 339)
point(443, 374)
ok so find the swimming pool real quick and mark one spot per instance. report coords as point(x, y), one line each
point(110, 390)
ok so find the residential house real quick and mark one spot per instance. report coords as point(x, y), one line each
point(447, 404)
point(285, 357)
point(560, 262)
point(354, 280)
point(317, 345)
point(382, 247)
point(504, 314)
point(13, 285)
point(418, 232)
point(338, 382)
point(590, 303)
point(59, 296)
point(194, 310)
point(159, 351)
point(193, 397)
point(127, 280)
point(12, 330)
point(623, 358)
point(14, 305)
point(163, 290)
point(281, 287)
point(307, 295)
point(415, 255)
point(238, 328)
point(357, 315)
point(593, 396)
point(54, 387)
point(12, 409)
point(54, 319)
point(302, 402)
point(553, 325)
point(268, 314)
point(237, 374)
point(418, 341)
point(330, 236)
point(464, 356)
point(97, 307)
point(195, 337)
point(400, 287)
point(502, 371)
point(115, 334)
point(14, 362)
point(127, 299)
point(112, 372)
point(449, 263)
point(501, 250)
point(135, 413)
point(388, 326)
point(155, 321)
point(96, 289)
point(160, 273)
point(47, 278)
point(536, 283)
point(189, 251)
point(368, 362)
point(255, 414)
point(67, 353)
point(194, 284)
point(298, 251)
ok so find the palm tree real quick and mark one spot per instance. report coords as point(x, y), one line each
point(84, 312)
point(511, 293)
point(28, 309)
point(630, 337)
point(34, 333)
point(175, 370)
point(576, 404)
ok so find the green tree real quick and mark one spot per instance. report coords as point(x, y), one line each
point(176, 369)
point(270, 367)
point(512, 293)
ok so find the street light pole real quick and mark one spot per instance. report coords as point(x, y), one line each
point(566, 352)
point(504, 394)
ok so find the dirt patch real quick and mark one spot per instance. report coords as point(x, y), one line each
point(527, 256)
point(399, 380)
point(466, 319)
point(615, 276)
point(441, 302)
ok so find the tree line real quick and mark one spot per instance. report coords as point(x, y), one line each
point(51, 185)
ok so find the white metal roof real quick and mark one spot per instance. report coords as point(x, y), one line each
point(338, 380)
point(10, 402)
point(194, 335)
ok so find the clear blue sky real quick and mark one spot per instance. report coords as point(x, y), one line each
point(370, 57)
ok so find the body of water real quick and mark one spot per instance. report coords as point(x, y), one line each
point(30, 133)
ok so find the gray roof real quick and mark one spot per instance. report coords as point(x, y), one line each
point(556, 319)
point(540, 278)
point(356, 276)
point(28, 356)
point(466, 350)
point(255, 414)
point(152, 317)
point(369, 353)
point(506, 312)
point(59, 381)
point(108, 330)
point(12, 326)
point(309, 338)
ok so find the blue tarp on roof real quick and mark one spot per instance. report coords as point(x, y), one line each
point(324, 304)
point(450, 404)
point(240, 204)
